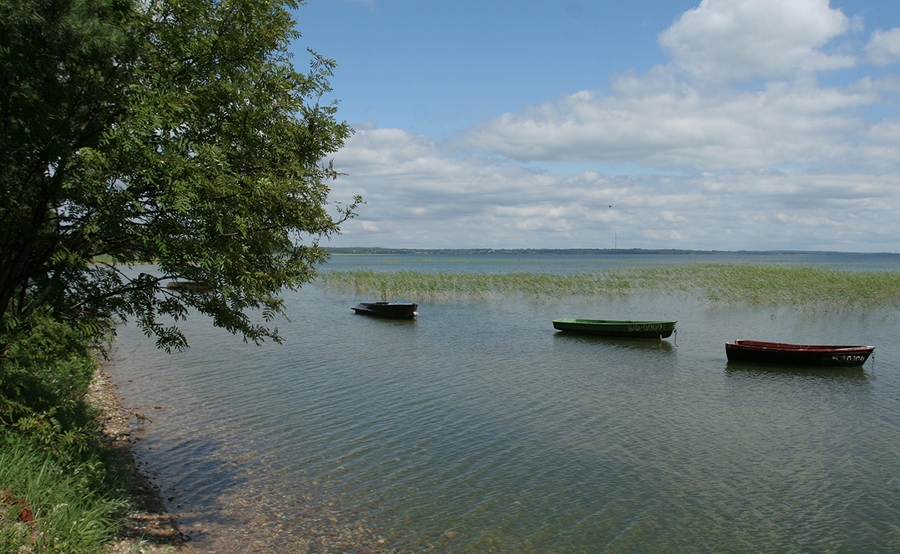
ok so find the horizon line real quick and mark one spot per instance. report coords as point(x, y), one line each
point(377, 249)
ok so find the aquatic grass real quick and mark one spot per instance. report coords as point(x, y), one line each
point(800, 286)
point(752, 284)
point(448, 285)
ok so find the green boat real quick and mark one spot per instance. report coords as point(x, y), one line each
point(614, 328)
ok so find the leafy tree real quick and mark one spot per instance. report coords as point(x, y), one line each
point(176, 132)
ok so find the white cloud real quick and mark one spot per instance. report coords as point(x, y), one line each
point(659, 122)
point(884, 47)
point(785, 164)
point(662, 121)
point(460, 202)
point(726, 40)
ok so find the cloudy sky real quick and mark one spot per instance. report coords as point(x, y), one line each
point(708, 125)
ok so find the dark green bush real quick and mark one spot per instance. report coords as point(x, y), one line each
point(45, 371)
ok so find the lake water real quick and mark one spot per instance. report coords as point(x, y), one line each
point(478, 428)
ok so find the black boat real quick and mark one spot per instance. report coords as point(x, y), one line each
point(191, 286)
point(392, 310)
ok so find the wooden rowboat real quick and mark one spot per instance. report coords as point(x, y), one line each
point(192, 286)
point(615, 328)
point(392, 310)
point(800, 354)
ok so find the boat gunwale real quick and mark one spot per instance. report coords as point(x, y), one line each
point(611, 322)
point(765, 346)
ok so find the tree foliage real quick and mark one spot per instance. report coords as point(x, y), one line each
point(176, 132)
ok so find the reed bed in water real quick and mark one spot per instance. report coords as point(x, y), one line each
point(754, 284)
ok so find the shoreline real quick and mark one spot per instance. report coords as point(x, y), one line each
point(149, 527)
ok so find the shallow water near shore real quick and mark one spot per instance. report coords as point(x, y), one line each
point(478, 428)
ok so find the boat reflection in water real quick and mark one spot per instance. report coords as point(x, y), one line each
point(615, 342)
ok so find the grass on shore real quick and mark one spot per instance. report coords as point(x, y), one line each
point(751, 284)
point(48, 507)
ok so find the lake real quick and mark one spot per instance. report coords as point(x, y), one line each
point(478, 428)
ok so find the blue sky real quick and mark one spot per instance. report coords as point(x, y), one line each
point(713, 125)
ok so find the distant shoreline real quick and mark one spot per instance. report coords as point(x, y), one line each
point(594, 251)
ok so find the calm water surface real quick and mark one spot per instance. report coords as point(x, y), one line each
point(478, 428)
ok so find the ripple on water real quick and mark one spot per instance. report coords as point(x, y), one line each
point(485, 423)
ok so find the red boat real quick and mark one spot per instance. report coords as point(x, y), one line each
point(801, 354)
